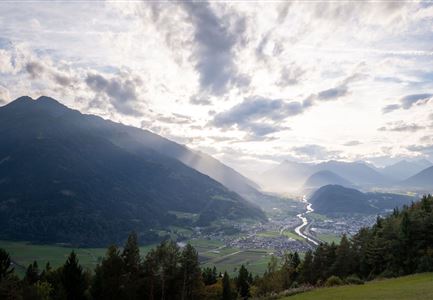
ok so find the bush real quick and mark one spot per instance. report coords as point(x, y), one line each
point(425, 264)
point(333, 281)
point(353, 279)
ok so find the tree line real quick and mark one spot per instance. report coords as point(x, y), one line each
point(400, 244)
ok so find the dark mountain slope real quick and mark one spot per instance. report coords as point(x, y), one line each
point(335, 199)
point(61, 181)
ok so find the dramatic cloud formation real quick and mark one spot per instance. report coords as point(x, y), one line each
point(250, 84)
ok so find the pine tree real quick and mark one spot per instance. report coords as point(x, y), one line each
point(109, 276)
point(32, 273)
point(73, 279)
point(131, 254)
point(5, 264)
point(307, 269)
point(192, 284)
point(227, 289)
point(242, 283)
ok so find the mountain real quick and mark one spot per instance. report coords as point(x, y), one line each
point(66, 177)
point(405, 169)
point(336, 199)
point(290, 176)
point(356, 172)
point(325, 177)
point(422, 181)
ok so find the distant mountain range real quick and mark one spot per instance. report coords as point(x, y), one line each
point(404, 169)
point(67, 177)
point(325, 177)
point(292, 176)
point(422, 181)
point(336, 199)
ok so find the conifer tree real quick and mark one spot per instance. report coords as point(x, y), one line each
point(73, 279)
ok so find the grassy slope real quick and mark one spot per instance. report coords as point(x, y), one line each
point(419, 286)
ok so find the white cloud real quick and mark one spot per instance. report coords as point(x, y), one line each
point(165, 66)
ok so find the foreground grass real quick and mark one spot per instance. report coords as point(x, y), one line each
point(419, 286)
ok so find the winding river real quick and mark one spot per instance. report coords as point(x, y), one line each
point(302, 216)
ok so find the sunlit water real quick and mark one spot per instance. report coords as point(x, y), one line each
point(305, 221)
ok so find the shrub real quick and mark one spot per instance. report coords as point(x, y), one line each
point(333, 281)
point(353, 279)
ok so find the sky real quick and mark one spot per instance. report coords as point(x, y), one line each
point(251, 83)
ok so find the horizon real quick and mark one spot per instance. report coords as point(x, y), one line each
point(250, 85)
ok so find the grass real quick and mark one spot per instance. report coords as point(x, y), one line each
point(419, 286)
point(211, 253)
point(24, 254)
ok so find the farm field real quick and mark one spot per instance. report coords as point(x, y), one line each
point(211, 253)
point(413, 287)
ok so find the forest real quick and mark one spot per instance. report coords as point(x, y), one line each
point(397, 245)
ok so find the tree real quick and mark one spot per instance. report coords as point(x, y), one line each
point(209, 275)
point(345, 261)
point(243, 283)
point(306, 268)
point(32, 273)
point(5, 264)
point(192, 284)
point(131, 254)
point(109, 276)
point(227, 289)
point(73, 279)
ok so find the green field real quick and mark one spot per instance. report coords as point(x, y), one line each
point(329, 238)
point(412, 287)
point(211, 253)
point(24, 254)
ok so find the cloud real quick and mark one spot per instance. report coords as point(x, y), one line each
point(121, 91)
point(315, 152)
point(35, 69)
point(333, 93)
point(4, 95)
point(401, 127)
point(352, 143)
point(390, 108)
point(415, 99)
point(213, 51)
point(258, 115)
point(291, 75)
point(409, 101)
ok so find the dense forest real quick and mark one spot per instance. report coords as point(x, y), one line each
point(399, 244)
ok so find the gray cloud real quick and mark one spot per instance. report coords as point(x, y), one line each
point(121, 91)
point(291, 75)
point(390, 108)
point(214, 45)
point(315, 152)
point(333, 93)
point(352, 143)
point(401, 127)
point(258, 115)
point(35, 69)
point(416, 99)
point(408, 102)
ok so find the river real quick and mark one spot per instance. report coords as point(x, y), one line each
point(302, 216)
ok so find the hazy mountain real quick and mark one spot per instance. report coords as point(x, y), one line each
point(336, 199)
point(289, 176)
point(356, 172)
point(325, 177)
point(69, 177)
point(421, 181)
point(405, 169)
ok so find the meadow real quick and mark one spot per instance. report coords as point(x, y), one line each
point(413, 287)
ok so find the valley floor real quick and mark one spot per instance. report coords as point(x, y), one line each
point(413, 287)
